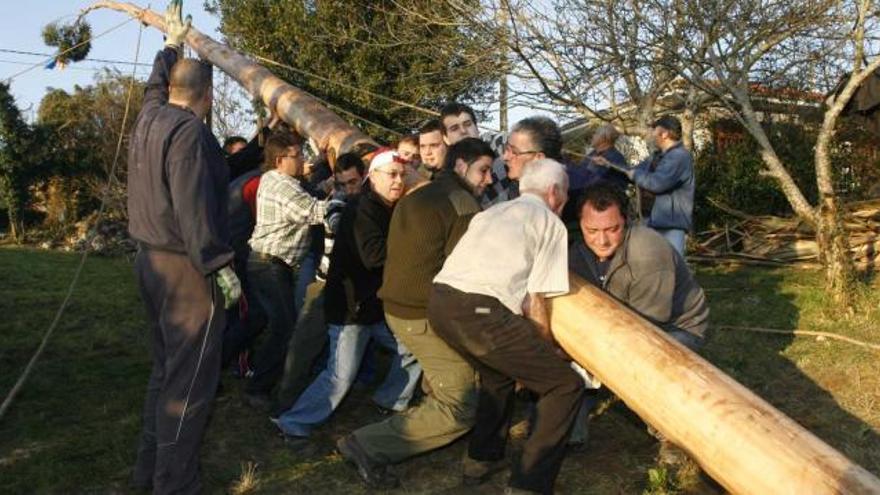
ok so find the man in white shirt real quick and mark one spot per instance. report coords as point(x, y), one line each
point(488, 303)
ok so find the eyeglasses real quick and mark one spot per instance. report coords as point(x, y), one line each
point(513, 151)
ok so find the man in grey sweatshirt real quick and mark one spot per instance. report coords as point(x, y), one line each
point(637, 266)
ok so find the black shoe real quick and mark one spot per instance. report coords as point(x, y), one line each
point(302, 446)
point(375, 475)
point(384, 411)
point(478, 472)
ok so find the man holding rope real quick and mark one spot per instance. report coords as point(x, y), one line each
point(177, 181)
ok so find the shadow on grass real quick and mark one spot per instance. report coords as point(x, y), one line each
point(773, 365)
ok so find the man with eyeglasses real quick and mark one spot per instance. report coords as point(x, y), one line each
point(280, 241)
point(425, 227)
point(354, 312)
point(531, 139)
point(310, 337)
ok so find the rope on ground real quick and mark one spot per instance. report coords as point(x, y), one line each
point(806, 333)
point(7, 402)
point(81, 43)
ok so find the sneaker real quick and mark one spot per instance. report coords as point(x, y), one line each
point(375, 475)
point(478, 472)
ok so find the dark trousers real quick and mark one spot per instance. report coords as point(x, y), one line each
point(506, 348)
point(185, 313)
point(274, 282)
point(306, 346)
point(242, 326)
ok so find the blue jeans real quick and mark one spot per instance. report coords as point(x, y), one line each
point(676, 237)
point(347, 346)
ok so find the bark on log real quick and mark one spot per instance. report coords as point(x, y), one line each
point(304, 113)
point(739, 439)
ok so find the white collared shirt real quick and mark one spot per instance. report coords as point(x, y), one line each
point(510, 250)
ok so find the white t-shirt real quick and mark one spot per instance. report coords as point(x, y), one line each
point(510, 250)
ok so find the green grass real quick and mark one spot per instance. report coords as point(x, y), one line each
point(75, 426)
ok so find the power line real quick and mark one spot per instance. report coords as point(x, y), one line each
point(81, 43)
point(81, 69)
point(102, 60)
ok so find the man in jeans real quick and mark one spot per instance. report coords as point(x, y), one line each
point(668, 175)
point(278, 245)
point(489, 304)
point(353, 311)
point(425, 227)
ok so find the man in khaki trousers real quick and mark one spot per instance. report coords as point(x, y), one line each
point(425, 227)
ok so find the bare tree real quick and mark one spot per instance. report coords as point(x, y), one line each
point(832, 236)
point(764, 49)
point(232, 114)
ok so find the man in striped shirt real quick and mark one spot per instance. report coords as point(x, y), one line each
point(278, 245)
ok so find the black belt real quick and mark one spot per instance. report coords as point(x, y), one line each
point(273, 259)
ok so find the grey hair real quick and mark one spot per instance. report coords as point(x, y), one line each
point(607, 133)
point(538, 175)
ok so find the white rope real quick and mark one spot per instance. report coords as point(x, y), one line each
point(7, 402)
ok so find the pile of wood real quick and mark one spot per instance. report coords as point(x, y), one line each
point(769, 240)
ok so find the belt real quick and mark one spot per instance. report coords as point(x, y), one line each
point(273, 259)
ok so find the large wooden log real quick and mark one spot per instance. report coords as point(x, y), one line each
point(738, 438)
point(308, 116)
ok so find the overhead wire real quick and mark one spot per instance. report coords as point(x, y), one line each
point(90, 59)
point(64, 52)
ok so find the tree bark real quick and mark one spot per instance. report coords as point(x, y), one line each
point(775, 168)
point(303, 112)
point(832, 236)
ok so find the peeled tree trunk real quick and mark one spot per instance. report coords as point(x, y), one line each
point(743, 442)
point(303, 112)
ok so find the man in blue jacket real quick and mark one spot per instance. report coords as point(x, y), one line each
point(668, 174)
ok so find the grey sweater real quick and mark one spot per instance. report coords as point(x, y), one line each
point(650, 277)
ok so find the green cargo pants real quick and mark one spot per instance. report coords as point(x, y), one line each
point(443, 416)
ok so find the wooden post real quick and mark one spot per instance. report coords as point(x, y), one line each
point(304, 113)
point(743, 442)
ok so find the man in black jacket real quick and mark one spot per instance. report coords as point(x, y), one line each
point(353, 311)
point(177, 183)
point(424, 229)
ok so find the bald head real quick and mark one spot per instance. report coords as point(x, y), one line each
point(191, 85)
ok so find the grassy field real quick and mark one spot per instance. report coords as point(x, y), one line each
point(74, 428)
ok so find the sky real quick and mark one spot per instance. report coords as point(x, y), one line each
point(21, 28)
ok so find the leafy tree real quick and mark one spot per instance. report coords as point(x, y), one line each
point(415, 51)
point(21, 161)
point(85, 125)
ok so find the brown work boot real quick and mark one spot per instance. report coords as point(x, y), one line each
point(476, 472)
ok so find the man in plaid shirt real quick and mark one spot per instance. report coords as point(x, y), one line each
point(278, 245)
point(459, 122)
